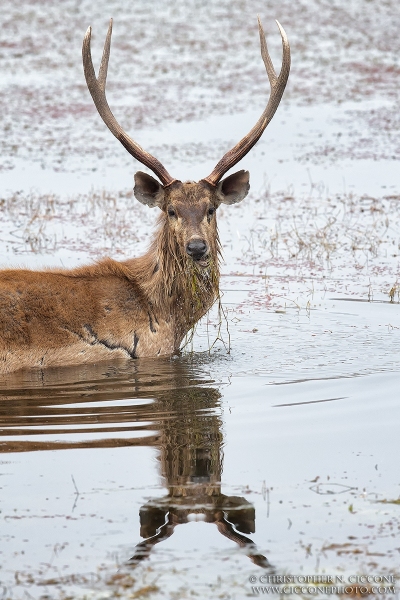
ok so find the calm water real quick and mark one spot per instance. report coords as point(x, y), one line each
point(271, 452)
point(195, 473)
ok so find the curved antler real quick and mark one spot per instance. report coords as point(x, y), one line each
point(97, 88)
point(278, 85)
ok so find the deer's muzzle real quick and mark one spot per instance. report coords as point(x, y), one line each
point(197, 249)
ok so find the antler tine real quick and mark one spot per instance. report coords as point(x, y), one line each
point(102, 78)
point(97, 88)
point(278, 85)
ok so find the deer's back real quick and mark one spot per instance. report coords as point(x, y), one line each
point(54, 318)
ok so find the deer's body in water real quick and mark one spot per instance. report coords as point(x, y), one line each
point(144, 306)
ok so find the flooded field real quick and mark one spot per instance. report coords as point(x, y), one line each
point(269, 446)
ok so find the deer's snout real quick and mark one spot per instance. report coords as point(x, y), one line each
point(197, 249)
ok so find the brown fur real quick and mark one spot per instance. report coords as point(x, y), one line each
point(140, 307)
point(144, 306)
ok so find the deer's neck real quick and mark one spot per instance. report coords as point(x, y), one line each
point(175, 287)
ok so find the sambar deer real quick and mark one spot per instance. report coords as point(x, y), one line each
point(144, 306)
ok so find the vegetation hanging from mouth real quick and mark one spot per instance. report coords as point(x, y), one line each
point(203, 281)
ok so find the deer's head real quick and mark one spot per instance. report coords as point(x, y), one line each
point(189, 207)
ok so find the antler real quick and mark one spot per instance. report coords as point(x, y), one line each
point(97, 88)
point(278, 85)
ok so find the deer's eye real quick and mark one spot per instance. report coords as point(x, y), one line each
point(171, 212)
point(211, 211)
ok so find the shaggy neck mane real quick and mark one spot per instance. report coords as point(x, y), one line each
point(171, 280)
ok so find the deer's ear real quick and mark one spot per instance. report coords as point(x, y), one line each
point(148, 190)
point(233, 188)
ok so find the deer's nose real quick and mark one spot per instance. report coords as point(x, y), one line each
point(196, 249)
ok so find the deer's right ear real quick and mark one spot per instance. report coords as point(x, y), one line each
point(148, 190)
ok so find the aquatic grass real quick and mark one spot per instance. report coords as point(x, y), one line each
point(395, 289)
point(330, 241)
point(222, 321)
point(317, 233)
point(197, 278)
point(98, 222)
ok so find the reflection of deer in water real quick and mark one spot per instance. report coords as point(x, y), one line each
point(181, 421)
point(191, 465)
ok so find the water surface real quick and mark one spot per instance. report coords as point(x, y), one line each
point(270, 445)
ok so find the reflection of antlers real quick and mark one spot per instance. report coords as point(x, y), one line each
point(143, 549)
point(229, 532)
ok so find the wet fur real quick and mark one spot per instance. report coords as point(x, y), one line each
point(140, 307)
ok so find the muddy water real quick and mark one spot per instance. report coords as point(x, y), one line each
point(270, 446)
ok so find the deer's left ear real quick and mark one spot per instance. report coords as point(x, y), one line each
point(233, 188)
